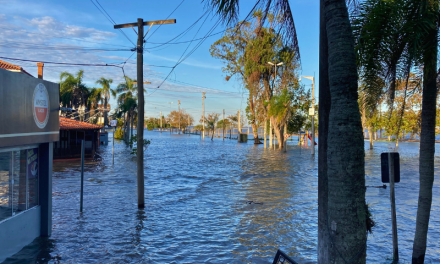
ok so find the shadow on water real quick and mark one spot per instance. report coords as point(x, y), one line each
point(215, 202)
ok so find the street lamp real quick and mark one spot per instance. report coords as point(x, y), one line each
point(312, 111)
point(274, 79)
point(170, 115)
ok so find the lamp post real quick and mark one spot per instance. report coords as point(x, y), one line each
point(170, 115)
point(312, 111)
point(274, 79)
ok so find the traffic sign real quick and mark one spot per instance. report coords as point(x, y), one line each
point(286, 136)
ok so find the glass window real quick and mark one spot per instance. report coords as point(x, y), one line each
point(5, 202)
point(18, 181)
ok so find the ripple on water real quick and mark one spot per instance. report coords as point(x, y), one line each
point(198, 211)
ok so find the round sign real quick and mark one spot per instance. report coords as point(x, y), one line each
point(40, 105)
point(286, 136)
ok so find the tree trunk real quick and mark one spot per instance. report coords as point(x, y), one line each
point(370, 136)
point(427, 140)
point(278, 133)
point(270, 134)
point(131, 125)
point(265, 133)
point(323, 112)
point(347, 212)
point(255, 133)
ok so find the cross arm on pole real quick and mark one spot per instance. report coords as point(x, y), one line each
point(146, 23)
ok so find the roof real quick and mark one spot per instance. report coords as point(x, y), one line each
point(70, 124)
point(11, 67)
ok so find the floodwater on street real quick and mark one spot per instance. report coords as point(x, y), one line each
point(216, 202)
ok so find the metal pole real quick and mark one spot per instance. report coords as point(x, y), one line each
point(140, 124)
point(393, 207)
point(313, 116)
point(113, 148)
point(223, 125)
point(82, 177)
point(203, 98)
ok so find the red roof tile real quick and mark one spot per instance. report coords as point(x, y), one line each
point(9, 66)
point(70, 124)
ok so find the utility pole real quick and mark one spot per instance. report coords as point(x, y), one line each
point(223, 135)
point(178, 107)
point(203, 97)
point(170, 115)
point(239, 124)
point(140, 80)
point(312, 112)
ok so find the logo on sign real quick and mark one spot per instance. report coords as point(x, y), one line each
point(40, 105)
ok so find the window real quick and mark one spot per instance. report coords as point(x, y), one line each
point(18, 181)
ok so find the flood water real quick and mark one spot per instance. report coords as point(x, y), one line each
point(198, 197)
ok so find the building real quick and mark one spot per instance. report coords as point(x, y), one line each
point(14, 68)
point(72, 132)
point(29, 126)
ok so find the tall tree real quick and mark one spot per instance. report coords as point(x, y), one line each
point(73, 92)
point(426, 29)
point(347, 211)
point(106, 90)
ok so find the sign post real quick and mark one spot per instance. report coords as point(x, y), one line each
point(113, 123)
point(390, 167)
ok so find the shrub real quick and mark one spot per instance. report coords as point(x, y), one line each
point(119, 133)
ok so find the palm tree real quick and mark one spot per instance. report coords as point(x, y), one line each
point(105, 83)
point(347, 211)
point(425, 39)
point(73, 92)
point(95, 96)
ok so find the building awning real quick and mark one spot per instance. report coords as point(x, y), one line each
point(70, 124)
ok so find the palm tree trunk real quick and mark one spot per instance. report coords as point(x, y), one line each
point(346, 166)
point(427, 142)
point(323, 112)
point(105, 110)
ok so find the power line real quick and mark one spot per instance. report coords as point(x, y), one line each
point(64, 63)
point(165, 18)
point(109, 18)
point(58, 37)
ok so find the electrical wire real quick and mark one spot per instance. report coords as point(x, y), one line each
point(165, 19)
point(109, 18)
point(64, 63)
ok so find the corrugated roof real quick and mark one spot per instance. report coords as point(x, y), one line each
point(9, 66)
point(70, 124)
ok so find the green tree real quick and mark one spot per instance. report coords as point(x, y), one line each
point(73, 92)
point(105, 92)
point(346, 214)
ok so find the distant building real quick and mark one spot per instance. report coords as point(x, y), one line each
point(13, 68)
point(72, 132)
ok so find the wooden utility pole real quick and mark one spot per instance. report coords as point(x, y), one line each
point(203, 98)
point(140, 80)
point(224, 125)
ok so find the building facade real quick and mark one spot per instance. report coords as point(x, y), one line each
point(29, 124)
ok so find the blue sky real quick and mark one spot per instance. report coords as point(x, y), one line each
point(66, 31)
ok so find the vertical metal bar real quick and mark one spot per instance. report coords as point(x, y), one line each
point(113, 148)
point(393, 207)
point(82, 177)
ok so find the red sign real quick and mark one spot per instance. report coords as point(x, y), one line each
point(286, 136)
point(40, 105)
